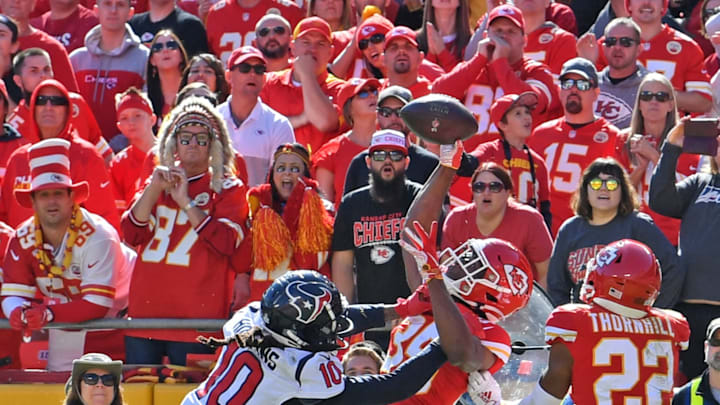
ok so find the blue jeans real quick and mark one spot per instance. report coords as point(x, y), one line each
point(152, 351)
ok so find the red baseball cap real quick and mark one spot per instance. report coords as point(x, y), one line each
point(512, 13)
point(376, 24)
point(401, 32)
point(507, 102)
point(242, 54)
point(313, 24)
point(353, 86)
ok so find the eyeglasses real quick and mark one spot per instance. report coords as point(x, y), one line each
point(387, 111)
point(53, 100)
point(246, 67)
point(381, 155)
point(580, 84)
point(375, 39)
point(365, 93)
point(493, 187)
point(201, 138)
point(169, 45)
point(279, 30)
point(661, 96)
point(108, 380)
point(611, 184)
point(625, 42)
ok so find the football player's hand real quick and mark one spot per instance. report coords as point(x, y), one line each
point(417, 303)
point(483, 388)
point(422, 248)
point(587, 47)
point(37, 316)
point(434, 39)
point(451, 155)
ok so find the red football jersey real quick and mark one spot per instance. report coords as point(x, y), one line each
point(85, 165)
point(82, 120)
point(191, 264)
point(283, 96)
point(125, 171)
point(10, 340)
point(480, 83)
point(675, 56)
point(551, 45)
point(449, 382)
point(519, 167)
point(568, 152)
point(336, 156)
point(230, 26)
point(618, 360)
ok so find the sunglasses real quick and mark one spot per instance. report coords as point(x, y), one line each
point(714, 342)
point(108, 380)
point(53, 100)
point(375, 39)
point(367, 92)
point(493, 187)
point(387, 111)
point(661, 96)
point(169, 45)
point(580, 84)
point(279, 30)
point(625, 42)
point(201, 138)
point(246, 67)
point(610, 184)
point(380, 155)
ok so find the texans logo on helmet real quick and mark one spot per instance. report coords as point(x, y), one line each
point(606, 256)
point(309, 298)
point(518, 279)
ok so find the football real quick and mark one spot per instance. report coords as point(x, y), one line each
point(439, 118)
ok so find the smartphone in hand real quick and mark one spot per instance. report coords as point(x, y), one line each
point(701, 136)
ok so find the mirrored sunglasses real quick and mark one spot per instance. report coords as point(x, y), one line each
point(580, 84)
point(387, 111)
point(201, 138)
point(610, 184)
point(381, 155)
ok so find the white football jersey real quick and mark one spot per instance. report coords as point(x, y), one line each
point(272, 375)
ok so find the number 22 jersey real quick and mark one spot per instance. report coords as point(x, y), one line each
point(619, 360)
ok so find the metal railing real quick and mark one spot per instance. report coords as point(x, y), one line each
point(135, 323)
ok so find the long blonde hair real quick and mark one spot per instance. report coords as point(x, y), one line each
point(637, 124)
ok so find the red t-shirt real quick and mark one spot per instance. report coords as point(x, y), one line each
point(567, 153)
point(230, 26)
point(479, 83)
point(190, 264)
point(450, 382)
point(71, 30)
point(58, 57)
point(616, 358)
point(125, 170)
point(519, 167)
point(336, 156)
point(522, 225)
point(283, 96)
point(551, 45)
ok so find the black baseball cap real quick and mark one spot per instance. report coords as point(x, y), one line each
point(401, 93)
point(582, 67)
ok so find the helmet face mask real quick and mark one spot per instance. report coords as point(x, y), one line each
point(303, 309)
point(489, 275)
point(623, 277)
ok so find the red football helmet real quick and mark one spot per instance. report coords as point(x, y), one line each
point(623, 277)
point(489, 274)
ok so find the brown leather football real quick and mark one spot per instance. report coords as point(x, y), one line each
point(439, 118)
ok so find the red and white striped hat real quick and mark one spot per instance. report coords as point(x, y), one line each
point(50, 168)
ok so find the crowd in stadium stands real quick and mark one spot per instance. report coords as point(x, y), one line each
point(211, 146)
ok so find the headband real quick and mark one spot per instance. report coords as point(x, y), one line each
point(288, 149)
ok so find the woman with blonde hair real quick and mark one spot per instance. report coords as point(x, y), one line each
point(654, 114)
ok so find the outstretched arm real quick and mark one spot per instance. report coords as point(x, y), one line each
point(555, 383)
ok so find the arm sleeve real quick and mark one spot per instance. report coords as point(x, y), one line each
point(455, 83)
point(673, 271)
point(558, 279)
point(365, 317)
point(666, 197)
point(402, 383)
point(539, 81)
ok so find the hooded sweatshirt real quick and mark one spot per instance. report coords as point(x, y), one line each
point(85, 164)
point(102, 74)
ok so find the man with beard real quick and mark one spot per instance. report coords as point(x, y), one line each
point(368, 227)
point(705, 389)
point(402, 58)
point(272, 38)
point(570, 143)
point(620, 80)
point(422, 162)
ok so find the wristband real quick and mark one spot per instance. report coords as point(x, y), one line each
point(189, 205)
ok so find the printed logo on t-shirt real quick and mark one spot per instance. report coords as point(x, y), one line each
point(612, 108)
point(381, 254)
point(577, 259)
point(709, 194)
